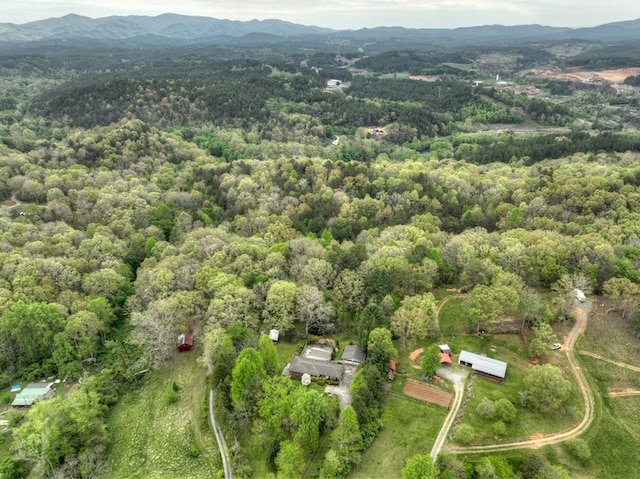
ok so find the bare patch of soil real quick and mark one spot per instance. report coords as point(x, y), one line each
point(427, 393)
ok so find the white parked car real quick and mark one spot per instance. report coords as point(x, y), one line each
point(556, 346)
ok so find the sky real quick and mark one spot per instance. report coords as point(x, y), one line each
point(346, 14)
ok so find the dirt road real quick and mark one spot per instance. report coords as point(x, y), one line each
point(582, 315)
point(222, 444)
point(458, 379)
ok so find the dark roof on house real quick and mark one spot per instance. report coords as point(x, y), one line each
point(316, 368)
point(483, 364)
point(354, 354)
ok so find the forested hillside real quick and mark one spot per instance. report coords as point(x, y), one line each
point(225, 198)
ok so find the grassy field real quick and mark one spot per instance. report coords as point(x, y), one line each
point(615, 436)
point(162, 433)
point(409, 427)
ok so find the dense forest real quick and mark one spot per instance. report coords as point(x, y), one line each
point(224, 196)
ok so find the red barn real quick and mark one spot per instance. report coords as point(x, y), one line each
point(185, 342)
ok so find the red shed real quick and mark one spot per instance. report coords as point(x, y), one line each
point(392, 369)
point(185, 342)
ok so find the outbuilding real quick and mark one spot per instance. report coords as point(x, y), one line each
point(353, 354)
point(185, 342)
point(32, 393)
point(488, 367)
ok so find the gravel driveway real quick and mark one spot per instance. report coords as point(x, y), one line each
point(342, 389)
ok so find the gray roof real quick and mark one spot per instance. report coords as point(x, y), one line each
point(316, 351)
point(354, 354)
point(32, 393)
point(483, 364)
point(316, 368)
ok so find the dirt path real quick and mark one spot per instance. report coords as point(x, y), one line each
point(619, 364)
point(458, 393)
point(582, 315)
point(418, 352)
point(222, 444)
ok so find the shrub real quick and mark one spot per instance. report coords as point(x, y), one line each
point(505, 410)
point(499, 428)
point(579, 448)
point(486, 408)
point(465, 434)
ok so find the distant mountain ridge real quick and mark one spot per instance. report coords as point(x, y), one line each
point(173, 28)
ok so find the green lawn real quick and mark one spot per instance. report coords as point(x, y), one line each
point(453, 319)
point(409, 427)
point(159, 433)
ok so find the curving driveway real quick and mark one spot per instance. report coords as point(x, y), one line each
point(582, 315)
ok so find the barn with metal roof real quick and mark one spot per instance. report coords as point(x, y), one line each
point(489, 367)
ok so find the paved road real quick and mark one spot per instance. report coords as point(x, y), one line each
point(222, 444)
point(582, 316)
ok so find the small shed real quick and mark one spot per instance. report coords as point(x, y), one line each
point(445, 359)
point(392, 369)
point(580, 296)
point(488, 367)
point(185, 342)
point(274, 335)
point(32, 393)
point(444, 348)
point(353, 354)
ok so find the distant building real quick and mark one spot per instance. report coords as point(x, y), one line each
point(353, 354)
point(274, 335)
point(488, 367)
point(185, 342)
point(32, 393)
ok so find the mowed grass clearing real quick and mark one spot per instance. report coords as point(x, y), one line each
point(409, 427)
point(615, 435)
point(161, 433)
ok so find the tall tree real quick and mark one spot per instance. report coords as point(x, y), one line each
point(313, 310)
point(546, 388)
point(430, 360)
point(419, 466)
point(308, 414)
point(415, 318)
point(269, 355)
point(246, 381)
point(280, 306)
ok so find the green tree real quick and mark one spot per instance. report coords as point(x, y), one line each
point(308, 414)
point(381, 349)
point(246, 381)
point(65, 436)
point(347, 441)
point(543, 339)
point(269, 355)
point(27, 334)
point(419, 466)
point(290, 460)
point(505, 410)
point(415, 318)
point(464, 434)
point(430, 360)
point(546, 388)
point(280, 306)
